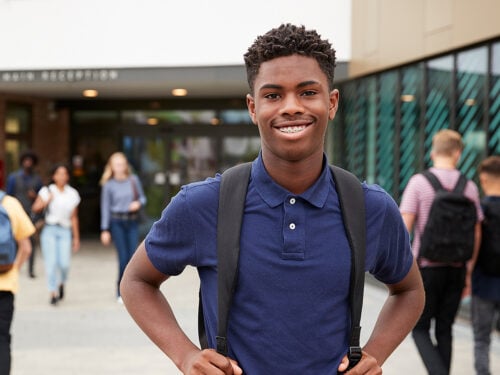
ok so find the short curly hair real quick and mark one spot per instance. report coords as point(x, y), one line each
point(287, 40)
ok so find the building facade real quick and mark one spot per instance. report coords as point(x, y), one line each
point(416, 68)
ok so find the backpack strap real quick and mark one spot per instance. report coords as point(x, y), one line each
point(352, 206)
point(460, 186)
point(233, 192)
point(433, 180)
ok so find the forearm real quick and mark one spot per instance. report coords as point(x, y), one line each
point(23, 251)
point(477, 244)
point(397, 318)
point(153, 314)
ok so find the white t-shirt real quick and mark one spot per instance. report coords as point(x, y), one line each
point(61, 206)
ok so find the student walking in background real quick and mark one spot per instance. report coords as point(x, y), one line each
point(444, 282)
point(485, 301)
point(122, 197)
point(24, 184)
point(22, 229)
point(61, 232)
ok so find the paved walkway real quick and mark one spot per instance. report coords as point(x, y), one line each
point(90, 333)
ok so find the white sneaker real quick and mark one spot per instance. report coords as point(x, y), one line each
point(119, 300)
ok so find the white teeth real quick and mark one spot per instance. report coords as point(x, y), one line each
point(292, 129)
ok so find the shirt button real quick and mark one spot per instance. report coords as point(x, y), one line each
point(292, 200)
point(292, 226)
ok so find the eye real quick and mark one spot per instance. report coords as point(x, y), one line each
point(308, 93)
point(271, 96)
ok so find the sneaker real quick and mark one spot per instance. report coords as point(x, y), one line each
point(53, 300)
point(119, 300)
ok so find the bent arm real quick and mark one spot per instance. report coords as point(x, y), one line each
point(140, 290)
point(398, 316)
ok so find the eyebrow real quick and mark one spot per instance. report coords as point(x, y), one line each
point(278, 87)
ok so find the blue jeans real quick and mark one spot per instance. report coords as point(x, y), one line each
point(6, 315)
point(55, 242)
point(443, 292)
point(125, 235)
point(482, 313)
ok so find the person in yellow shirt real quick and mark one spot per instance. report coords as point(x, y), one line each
point(22, 230)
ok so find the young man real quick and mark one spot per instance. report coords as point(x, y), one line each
point(444, 282)
point(22, 229)
point(485, 302)
point(24, 185)
point(290, 310)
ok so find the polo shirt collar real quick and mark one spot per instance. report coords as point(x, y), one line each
point(274, 195)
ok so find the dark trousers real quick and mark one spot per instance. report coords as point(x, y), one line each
point(483, 313)
point(6, 315)
point(125, 235)
point(443, 293)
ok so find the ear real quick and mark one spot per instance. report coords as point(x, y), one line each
point(334, 104)
point(251, 108)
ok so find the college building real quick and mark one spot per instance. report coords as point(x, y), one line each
point(415, 67)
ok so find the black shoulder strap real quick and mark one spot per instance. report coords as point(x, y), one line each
point(233, 189)
point(431, 177)
point(460, 186)
point(352, 205)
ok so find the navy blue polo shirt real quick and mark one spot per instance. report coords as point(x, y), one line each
point(290, 308)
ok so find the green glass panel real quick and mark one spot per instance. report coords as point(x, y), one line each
point(438, 103)
point(471, 79)
point(494, 123)
point(411, 82)
point(355, 118)
point(388, 94)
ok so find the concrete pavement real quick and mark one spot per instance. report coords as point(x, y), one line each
point(90, 333)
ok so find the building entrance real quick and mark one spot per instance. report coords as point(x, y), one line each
point(163, 157)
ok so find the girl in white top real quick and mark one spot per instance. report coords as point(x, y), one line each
point(61, 231)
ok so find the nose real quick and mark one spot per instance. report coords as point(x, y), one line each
point(291, 105)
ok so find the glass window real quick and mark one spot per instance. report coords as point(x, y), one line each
point(235, 117)
point(172, 117)
point(410, 155)
point(439, 99)
point(18, 134)
point(355, 114)
point(471, 79)
point(494, 121)
point(388, 97)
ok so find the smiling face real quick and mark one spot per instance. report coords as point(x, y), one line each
point(291, 106)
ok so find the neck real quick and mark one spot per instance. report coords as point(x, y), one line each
point(296, 177)
point(444, 163)
point(492, 192)
point(120, 176)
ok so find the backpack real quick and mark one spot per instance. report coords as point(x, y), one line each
point(449, 232)
point(233, 188)
point(8, 246)
point(489, 254)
